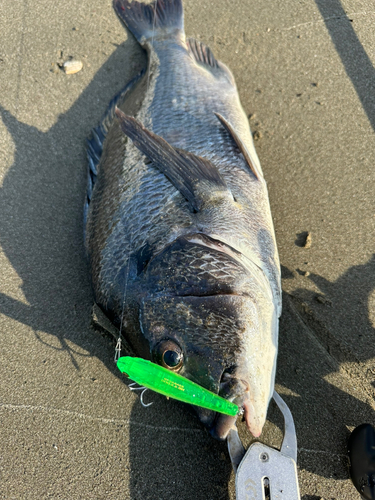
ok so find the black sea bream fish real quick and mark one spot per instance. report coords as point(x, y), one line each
point(179, 232)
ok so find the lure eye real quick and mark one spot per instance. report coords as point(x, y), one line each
point(169, 355)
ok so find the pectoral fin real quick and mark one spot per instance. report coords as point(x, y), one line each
point(197, 179)
point(241, 146)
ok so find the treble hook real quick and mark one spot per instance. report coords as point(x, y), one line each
point(140, 388)
point(141, 398)
point(132, 388)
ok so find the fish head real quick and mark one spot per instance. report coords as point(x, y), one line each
point(224, 343)
point(250, 381)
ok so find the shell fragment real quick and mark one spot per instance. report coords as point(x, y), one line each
point(71, 67)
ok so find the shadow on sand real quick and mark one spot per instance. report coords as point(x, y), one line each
point(354, 58)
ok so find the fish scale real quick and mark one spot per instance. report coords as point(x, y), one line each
point(140, 216)
point(205, 94)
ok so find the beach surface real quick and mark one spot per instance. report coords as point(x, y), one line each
point(70, 427)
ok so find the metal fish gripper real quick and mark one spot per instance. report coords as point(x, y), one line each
point(263, 472)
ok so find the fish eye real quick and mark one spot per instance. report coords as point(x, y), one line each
point(169, 355)
point(171, 359)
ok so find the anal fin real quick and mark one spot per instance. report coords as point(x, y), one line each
point(202, 54)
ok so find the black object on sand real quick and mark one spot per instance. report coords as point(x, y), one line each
point(361, 449)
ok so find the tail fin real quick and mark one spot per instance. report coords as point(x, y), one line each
point(146, 21)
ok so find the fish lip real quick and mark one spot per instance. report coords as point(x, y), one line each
point(222, 423)
point(253, 426)
point(233, 387)
point(221, 426)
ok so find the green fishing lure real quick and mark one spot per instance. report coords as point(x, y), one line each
point(173, 385)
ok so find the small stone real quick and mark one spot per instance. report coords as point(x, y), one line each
point(323, 300)
point(257, 135)
point(54, 68)
point(306, 309)
point(72, 67)
point(308, 240)
point(306, 273)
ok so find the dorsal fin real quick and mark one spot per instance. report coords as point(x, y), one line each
point(241, 146)
point(197, 179)
point(99, 133)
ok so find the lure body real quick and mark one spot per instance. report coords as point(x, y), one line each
point(168, 383)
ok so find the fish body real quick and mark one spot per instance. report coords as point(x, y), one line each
point(179, 232)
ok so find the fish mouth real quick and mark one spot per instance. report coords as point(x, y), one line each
point(224, 423)
point(237, 390)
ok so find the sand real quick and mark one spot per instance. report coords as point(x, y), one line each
point(70, 428)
